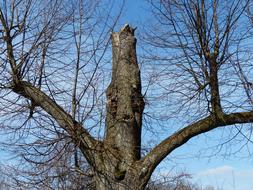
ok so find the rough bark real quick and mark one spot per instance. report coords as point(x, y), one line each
point(124, 117)
point(124, 99)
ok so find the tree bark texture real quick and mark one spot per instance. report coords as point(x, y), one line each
point(124, 113)
point(124, 99)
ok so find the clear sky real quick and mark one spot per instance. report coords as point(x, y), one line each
point(227, 172)
point(134, 13)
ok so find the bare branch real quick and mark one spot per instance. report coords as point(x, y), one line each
point(157, 154)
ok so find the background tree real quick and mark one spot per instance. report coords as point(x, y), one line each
point(177, 182)
point(53, 78)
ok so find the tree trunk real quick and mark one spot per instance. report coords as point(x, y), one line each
point(122, 147)
point(124, 99)
point(107, 183)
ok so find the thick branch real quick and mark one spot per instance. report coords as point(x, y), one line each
point(80, 136)
point(214, 86)
point(155, 156)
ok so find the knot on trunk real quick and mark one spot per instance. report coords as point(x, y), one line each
point(119, 174)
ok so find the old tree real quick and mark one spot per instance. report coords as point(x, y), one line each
point(53, 69)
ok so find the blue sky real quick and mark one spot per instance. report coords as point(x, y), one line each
point(134, 13)
point(220, 171)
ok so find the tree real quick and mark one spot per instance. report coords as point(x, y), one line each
point(50, 84)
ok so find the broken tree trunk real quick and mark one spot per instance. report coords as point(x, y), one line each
point(124, 116)
point(124, 99)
